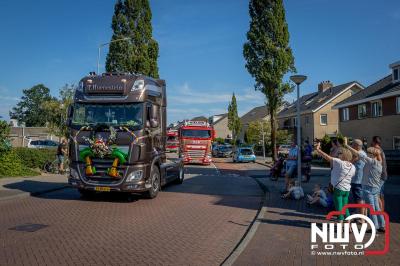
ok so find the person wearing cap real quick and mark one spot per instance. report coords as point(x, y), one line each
point(356, 187)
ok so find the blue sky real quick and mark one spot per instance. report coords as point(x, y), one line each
point(55, 42)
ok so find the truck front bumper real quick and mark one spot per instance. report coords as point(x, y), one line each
point(134, 186)
point(125, 187)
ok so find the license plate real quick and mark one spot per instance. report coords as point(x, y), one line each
point(102, 189)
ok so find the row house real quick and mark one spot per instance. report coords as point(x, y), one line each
point(374, 111)
point(317, 116)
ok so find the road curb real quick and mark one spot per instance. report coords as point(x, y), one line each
point(33, 194)
point(264, 164)
point(248, 236)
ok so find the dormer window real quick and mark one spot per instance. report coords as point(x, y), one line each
point(396, 74)
point(395, 71)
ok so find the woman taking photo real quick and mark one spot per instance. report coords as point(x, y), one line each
point(341, 174)
point(371, 182)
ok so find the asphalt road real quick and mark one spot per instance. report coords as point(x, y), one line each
point(198, 222)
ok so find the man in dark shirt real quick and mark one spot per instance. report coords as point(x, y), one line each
point(61, 152)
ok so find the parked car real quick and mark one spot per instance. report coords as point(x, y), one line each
point(42, 144)
point(214, 151)
point(244, 154)
point(224, 151)
point(284, 149)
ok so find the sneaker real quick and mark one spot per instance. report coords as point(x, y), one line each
point(381, 230)
point(369, 231)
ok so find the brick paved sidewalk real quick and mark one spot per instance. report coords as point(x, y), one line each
point(283, 235)
point(13, 187)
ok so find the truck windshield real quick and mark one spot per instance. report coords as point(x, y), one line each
point(196, 133)
point(130, 114)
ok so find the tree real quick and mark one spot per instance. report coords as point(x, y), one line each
point(57, 109)
point(268, 55)
point(30, 109)
point(4, 136)
point(139, 53)
point(234, 123)
point(255, 130)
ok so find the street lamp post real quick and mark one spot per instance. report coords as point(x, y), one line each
point(104, 44)
point(298, 79)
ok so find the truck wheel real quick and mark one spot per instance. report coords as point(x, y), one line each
point(155, 183)
point(181, 176)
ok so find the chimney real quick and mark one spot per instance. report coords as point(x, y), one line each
point(324, 85)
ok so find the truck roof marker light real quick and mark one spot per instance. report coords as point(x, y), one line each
point(138, 85)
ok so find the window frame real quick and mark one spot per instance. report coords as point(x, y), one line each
point(397, 70)
point(398, 105)
point(376, 103)
point(320, 119)
point(345, 114)
point(358, 111)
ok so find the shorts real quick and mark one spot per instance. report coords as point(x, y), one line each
point(291, 170)
point(356, 192)
point(60, 159)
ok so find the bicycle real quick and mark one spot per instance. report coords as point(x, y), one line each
point(52, 166)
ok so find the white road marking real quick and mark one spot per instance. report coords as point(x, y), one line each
point(216, 169)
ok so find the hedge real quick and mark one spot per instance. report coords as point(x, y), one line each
point(35, 158)
point(12, 165)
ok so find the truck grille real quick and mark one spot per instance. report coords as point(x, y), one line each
point(101, 176)
point(196, 153)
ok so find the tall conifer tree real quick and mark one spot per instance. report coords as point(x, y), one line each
point(234, 123)
point(268, 54)
point(132, 19)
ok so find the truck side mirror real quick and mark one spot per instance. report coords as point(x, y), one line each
point(154, 116)
point(68, 122)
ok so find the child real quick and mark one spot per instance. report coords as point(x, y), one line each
point(295, 191)
point(319, 196)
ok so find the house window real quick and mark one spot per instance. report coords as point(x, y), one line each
point(362, 111)
point(345, 114)
point(295, 121)
point(306, 120)
point(398, 105)
point(323, 119)
point(396, 142)
point(396, 74)
point(376, 109)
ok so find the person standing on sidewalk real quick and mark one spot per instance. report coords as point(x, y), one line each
point(371, 182)
point(341, 174)
point(356, 188)
point(61, 153)
point(291, 164)
point(376, 143)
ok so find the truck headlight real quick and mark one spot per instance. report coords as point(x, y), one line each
point(73, 173)
point(138, 85)
point(135, 176)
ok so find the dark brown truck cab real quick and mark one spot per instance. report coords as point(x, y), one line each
point(117, 126)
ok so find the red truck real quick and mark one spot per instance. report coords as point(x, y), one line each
point(172, 141)
point(195, 139)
